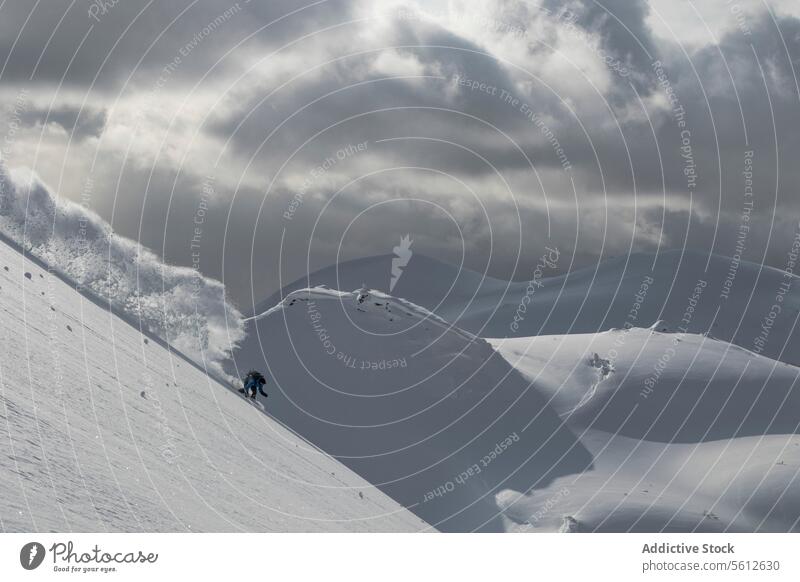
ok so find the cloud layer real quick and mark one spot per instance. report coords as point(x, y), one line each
point(492, 129)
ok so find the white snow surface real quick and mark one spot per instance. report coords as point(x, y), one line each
point(104, 429)
point(631, 397)
point(634, 398)
point(429, 413)
point(704, 442)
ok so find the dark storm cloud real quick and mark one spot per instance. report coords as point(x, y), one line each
point(621, 26)
point(613, 136)
point(624, 37)
point(478, 116)
point(343, 89)
point(752, 108)
point(103, 42)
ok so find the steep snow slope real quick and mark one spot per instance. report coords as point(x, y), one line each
point(104, 429)
point(430, 414)
point(686, 433)
point(733, 301)
point(175, 303)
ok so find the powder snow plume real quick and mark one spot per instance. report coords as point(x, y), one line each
point(176, 303)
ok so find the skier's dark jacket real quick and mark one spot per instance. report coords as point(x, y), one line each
point(255, 380)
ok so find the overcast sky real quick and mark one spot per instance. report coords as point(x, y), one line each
point(279, 136)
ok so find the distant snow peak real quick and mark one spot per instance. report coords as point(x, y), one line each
point(402, 255)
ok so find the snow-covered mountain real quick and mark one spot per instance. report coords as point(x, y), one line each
point(427, 412)
point(646, 425)
point(635, 423)
point(667, 387)
point(105, 429)
point(686, 433)
point(694, 292)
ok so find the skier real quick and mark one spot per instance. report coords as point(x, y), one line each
point(254, 381)
point(363, 294)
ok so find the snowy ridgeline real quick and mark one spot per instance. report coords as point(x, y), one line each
point(177, 304)
point(428, 413)
point(105, 430)
point(693, 292)
point(643, 428)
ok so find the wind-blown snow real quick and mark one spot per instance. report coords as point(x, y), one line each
point(178, 304)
